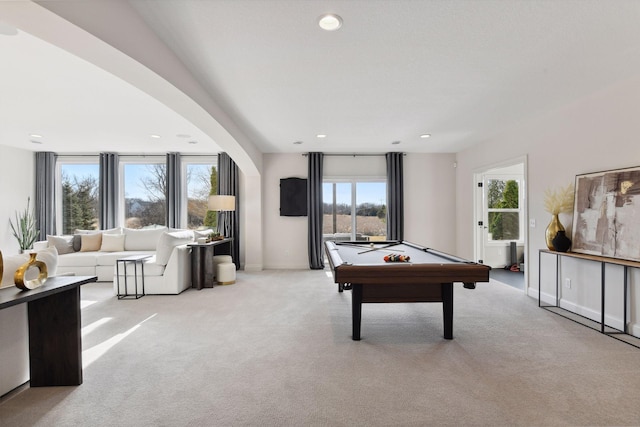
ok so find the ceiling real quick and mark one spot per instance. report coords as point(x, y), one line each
point(459, 70)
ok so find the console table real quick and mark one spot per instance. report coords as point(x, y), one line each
point(202, 273)
point(55, 340)
point(603, 262)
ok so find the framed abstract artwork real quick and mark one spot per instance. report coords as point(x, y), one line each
point(606, 214)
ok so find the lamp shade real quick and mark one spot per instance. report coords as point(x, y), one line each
point(222, 203)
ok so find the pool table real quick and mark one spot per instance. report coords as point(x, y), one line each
point(427, 277)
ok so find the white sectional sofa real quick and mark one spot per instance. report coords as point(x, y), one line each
point(94, 253)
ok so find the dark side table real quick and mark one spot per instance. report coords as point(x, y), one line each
point(136, 260)
point(202, 274)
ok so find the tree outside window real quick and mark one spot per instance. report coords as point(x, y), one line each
point(145, 188)
point(503, 209)
point(79, 197)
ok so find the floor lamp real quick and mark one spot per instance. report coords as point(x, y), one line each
point(223, 204)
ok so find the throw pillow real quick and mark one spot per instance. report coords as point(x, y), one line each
point(77, 242)
point(64, 244)
point(11, 264)
point(116, 230)
point(112, 243)
point(145, 239)
point(168, 241)
point(91, 242)
point(202, 233)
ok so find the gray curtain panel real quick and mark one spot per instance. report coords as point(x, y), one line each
point(314, 210)
point(228, 186)
point(108, 190)
point(174, 190)
point(45, 209)
point(395, 196)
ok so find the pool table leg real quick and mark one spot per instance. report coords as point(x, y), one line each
point(356, 311)
point(447, 309)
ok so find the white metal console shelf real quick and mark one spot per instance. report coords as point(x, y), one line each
point(622, 335)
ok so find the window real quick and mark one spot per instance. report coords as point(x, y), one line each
point(143, 183)
point(144, 189)
point(504, 217)
point(77, 194)
point(354, 210)
point(201, 180)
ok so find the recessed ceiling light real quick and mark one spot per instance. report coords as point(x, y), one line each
point(35, 135)
point(183, 135)
point(193, 142)
point(395, 143)
point(36, 142)
point(155, 136)
point(330, 22)
point(425, 135)
point(321, 135)
point(297, 142)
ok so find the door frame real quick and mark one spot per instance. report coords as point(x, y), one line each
point(478, 241)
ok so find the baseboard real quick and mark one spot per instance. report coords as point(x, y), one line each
point(545, 298)
point(252, 267)
point(634, 329)
point(612, 321)
point(288, 267)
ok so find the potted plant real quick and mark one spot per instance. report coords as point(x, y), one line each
point(25, 230)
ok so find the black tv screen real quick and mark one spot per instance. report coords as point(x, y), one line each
point(293, 197)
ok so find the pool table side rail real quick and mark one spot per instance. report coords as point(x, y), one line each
point(464, 271)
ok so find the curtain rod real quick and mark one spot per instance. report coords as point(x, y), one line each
point(351, 155)
point(138, 155)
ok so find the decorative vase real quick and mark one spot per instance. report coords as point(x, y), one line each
point(561, 242)
point(551, 231)
point(20, 280)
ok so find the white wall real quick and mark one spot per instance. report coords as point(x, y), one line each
point(16, 184)
point(285, 237)
point(595, 133)
point(429, 201)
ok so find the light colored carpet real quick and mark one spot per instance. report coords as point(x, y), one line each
point(275, 349)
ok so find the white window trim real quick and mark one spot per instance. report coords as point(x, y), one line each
point(353, 181)
point(520, 210)
point(132, 160)
point(69, 160)
point(191, 160)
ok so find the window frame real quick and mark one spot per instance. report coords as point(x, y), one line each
point(133, 160)
point(185, 161)
point(69, 160)
point(519, 210)
point(354, 180)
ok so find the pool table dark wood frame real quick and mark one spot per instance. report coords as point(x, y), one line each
point(403, 282)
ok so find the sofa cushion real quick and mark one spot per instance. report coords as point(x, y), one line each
point(168, 241)
point(152, 268)
point(110, 258)
point(112, 243)
point(91, 242)
point(63, 244)
point(145, 239)
point(78, 259)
